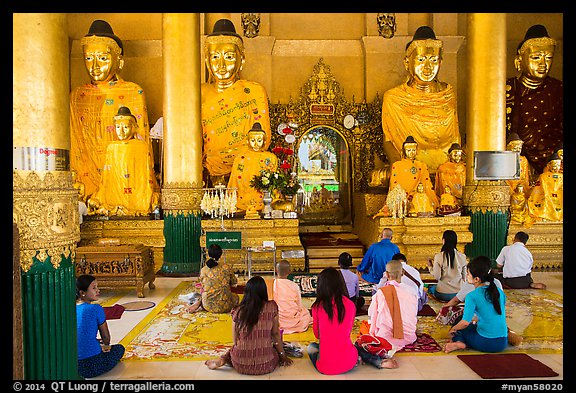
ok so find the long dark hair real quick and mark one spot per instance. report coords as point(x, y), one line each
point(450, 240)
point(214, 252)
point(253, 301)
point(331, 288)
point(481, 267)
point(82, 283)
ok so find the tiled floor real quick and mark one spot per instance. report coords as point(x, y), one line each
point(412, 367)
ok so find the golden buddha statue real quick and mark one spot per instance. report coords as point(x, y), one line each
point(534, 100)
point(515, 144)
point(420, 204)
point(559, 151)
point(127, 182)
point(518, 204)
point(422, 106)
point(547, 197)
point(249, 164)
point(93, 105)
point(230, 105)
point(79, 186)
point(452, 173)
point(409, 172)
point(449, 204)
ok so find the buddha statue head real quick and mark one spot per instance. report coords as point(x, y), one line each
point(420, 188)
point(560, 151)
point(224, 54)
point(256, 137)
point(410, 147)
point(447, 190)
point(103, 52)
point(125, 124)
point(455, 153)
point(534, 56)
point(514, 143)
point(520, 188)
point(422, 59)
point(554, 163)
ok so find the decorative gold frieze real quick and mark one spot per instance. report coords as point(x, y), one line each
point(182, 196)
point(46, 211)
point(486, 195)
point(545, 242)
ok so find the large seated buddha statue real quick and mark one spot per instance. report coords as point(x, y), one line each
point(248, 164)
point(93, 105)
point(230, 105)
point(423, 106)
point(451, 174)
point(534, 100)
point(409, 172)
point(546, 200)
point(127, 183)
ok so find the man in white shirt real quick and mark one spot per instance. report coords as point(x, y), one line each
point(410, 277)
point(516, 263)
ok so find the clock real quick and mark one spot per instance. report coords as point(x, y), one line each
point(349, 122)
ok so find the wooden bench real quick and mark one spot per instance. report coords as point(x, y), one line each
point(118, 266)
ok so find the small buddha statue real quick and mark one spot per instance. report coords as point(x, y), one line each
point(534, 100)
point(94, 105)
point(420, 204)
point(409, 172)
point(230, 105)
point(449, 204)
point(514, 143)
point(518, 204)
point(547, 197)
point(252, 211)
point(79, 186)
point(423, 106)
point(452, 173)
point(559, 151)
point(127, 182)
point(249, 164)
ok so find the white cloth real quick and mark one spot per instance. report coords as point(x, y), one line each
point(419, 290)
point(83, 210)
point(516, 259)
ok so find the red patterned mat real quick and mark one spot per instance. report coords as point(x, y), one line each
point(424, 343)
point(507, 365)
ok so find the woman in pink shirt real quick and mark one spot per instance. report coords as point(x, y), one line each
point(333, 317)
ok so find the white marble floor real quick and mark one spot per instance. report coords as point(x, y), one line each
point(412, 367)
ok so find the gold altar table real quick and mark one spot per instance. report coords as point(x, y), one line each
point(118, 266)
point(283, 231)
point(147, 232)
point(545, 242)
point(417, 238)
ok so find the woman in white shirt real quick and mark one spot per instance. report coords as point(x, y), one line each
point(448, 267)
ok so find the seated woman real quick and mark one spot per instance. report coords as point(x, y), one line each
point(448, 267)
point(258, 347)
point(216, 279)
point(95, 357)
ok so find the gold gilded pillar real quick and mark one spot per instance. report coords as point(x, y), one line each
point(486, 201)
point(45, 203)
point(182, 187)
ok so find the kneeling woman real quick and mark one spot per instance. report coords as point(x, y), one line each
point(490, 332)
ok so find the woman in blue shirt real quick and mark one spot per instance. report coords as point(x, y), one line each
point(94, 357)
point(490, 332)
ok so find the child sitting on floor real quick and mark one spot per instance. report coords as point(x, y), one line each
point(292, 315)
point(351, 280)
